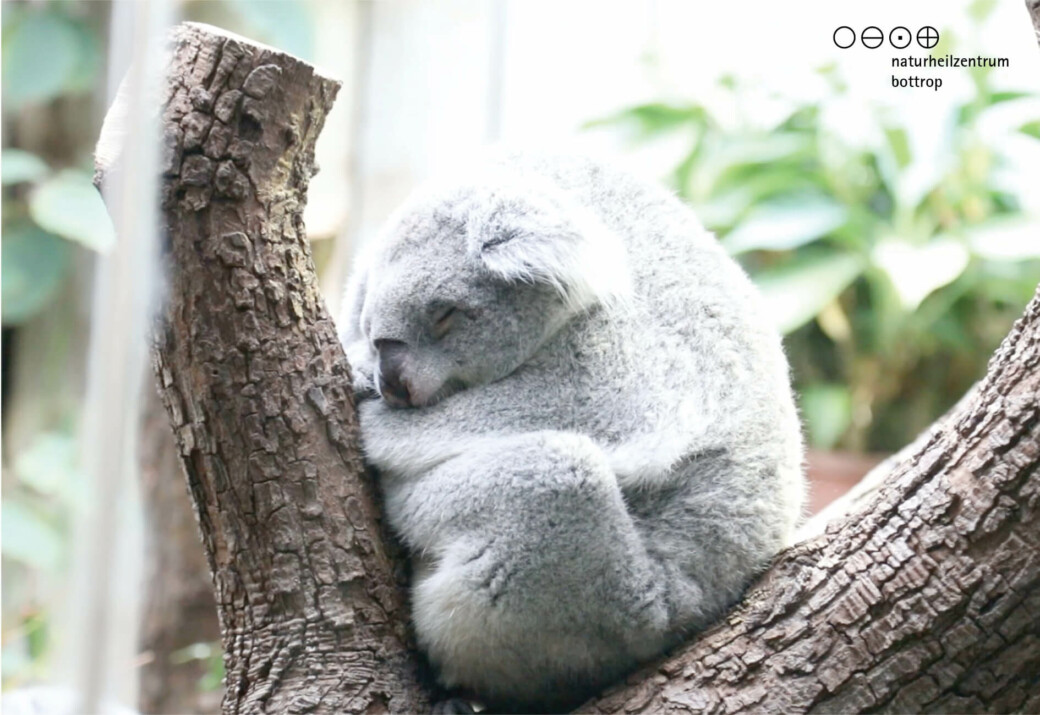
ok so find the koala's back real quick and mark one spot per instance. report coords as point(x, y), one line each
point(686, 389)
point(693, 363)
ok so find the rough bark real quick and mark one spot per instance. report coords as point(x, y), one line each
point(925, 599)
point(257, 389)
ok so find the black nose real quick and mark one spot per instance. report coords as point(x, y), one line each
point(392, 386)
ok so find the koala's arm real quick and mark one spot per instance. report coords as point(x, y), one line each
point(414, 440)
point(541, 583)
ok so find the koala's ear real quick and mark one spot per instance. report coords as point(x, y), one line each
point(571, 250)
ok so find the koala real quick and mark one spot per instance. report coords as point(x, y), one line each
point(582, 420)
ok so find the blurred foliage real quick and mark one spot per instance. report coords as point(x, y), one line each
point(39, 499)
point(52, 68)
point(212, 655)
point(49, 53)
point(893, 277)
point(34, 264)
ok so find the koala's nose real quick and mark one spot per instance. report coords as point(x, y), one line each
point(392, 386)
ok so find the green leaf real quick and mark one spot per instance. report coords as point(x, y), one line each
point(828, 412)
point(1007, 96)
point(28, 536)
point(918, 271)
point(1031, 128)
point(214, 676)
point(765, 149)
point(783, 225)
point(41, 57)
point(773, 181)
point(985, 100)
point(195, 651)
point(656, 117)
point(33, 266)
point(797, 291)
point(659, 117)
point(37, 633)
point(70, 206)
point(899, 143)
point(721, 165)
point(17, 166)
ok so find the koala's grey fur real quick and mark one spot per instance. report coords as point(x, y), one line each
point(602, 447)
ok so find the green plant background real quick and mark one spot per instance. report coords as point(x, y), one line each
point(892, 291)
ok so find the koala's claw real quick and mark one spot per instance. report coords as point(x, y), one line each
point(365, 392)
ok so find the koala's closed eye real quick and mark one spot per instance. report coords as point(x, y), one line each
point(504, 237)
point(443, 320)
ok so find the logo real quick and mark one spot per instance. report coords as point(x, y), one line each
point(872, 37)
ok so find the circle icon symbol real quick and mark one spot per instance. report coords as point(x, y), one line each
point(872, 37)
point(899, 37)
point(844, 37)
point(928, 37)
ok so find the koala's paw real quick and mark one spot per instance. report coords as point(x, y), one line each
point(364, 384)
point(362, 370)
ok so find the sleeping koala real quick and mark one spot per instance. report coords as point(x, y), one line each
point(582, 421)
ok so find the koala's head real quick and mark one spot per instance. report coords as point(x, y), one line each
point(468, 283)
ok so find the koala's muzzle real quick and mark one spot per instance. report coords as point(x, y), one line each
point(392, 386)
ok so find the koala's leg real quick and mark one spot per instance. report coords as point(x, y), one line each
point(532, 584)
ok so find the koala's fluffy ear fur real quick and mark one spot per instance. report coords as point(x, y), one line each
point(553, 241)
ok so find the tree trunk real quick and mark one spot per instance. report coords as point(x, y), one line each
point(924, 599)
point(258, 392)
